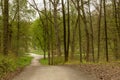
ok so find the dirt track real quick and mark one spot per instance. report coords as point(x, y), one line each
point(39, 72)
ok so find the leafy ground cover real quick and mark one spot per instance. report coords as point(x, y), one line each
point(107, 71)
point(12, 65)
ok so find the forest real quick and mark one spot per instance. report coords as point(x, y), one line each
point(75, 32)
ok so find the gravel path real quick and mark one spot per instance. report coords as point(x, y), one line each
point(39, 72)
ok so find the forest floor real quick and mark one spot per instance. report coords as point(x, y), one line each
point(108, 71)
point(36, 71)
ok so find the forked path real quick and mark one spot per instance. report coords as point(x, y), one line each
point(38, 72)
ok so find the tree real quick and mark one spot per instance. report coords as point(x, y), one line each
point(6, 26)
point(68, 40)
point(79, 27)
point(64, 25)
point(56, 26)
point(99, 29)
point(91, 29)
point(86, 30)
point(116, 16)
point(1, 34)
point(106, 34)
point(18, 26)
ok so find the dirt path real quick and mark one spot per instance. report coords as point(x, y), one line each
point(38, 72)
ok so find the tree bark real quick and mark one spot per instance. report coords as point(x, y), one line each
point(106, 34)
point(91, 28)
point(18, 27)
point(99, 30)
point(86, 31)
point(6, 26)
point(79, 28)
point(64, 25)
point(68, 40)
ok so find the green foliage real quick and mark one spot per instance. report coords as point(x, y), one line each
point(24, 37)
point(57, 60)
point(40, 52)
point(23, 61)
point(11, 63)
point(37, 34)
point(44, 61)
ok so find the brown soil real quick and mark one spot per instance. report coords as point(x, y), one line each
point(109, 71)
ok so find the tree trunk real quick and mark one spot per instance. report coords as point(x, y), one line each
point(64, 25)
point(6, 26)
point(99, 30)
point(18, 27)
point(1, 27)
point(79, 28)
point(106, 35)
point(116, 17)
point(91, 28)
point(57, 30)
point(68, 40)
point(47, 33)
point(86, 31)
point(73, 39)
point(51, 33)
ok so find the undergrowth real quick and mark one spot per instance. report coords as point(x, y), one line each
point(11, 63)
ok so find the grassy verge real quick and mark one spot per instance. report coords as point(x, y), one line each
point(23, 61)
point(44, 61)
point(11, 63)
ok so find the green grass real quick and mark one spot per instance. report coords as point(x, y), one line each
point(57, 61)
point(23, 61)
point(44, 61)
point(75, 60)
point(11, 63)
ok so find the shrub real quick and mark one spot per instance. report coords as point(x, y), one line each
point(12, 63)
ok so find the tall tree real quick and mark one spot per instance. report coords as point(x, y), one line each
point(1, 6)
point(18, 26)
point(106, 34)
point(68, 40)
point(56, 26)
point(43, 26)
point(99, 29)
point(91, 28)
point(64, 25)
point(79, 28)
point(86, 29)
point(116, 20)
point(6, 26)
point(47, 31)
point(51, 33)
